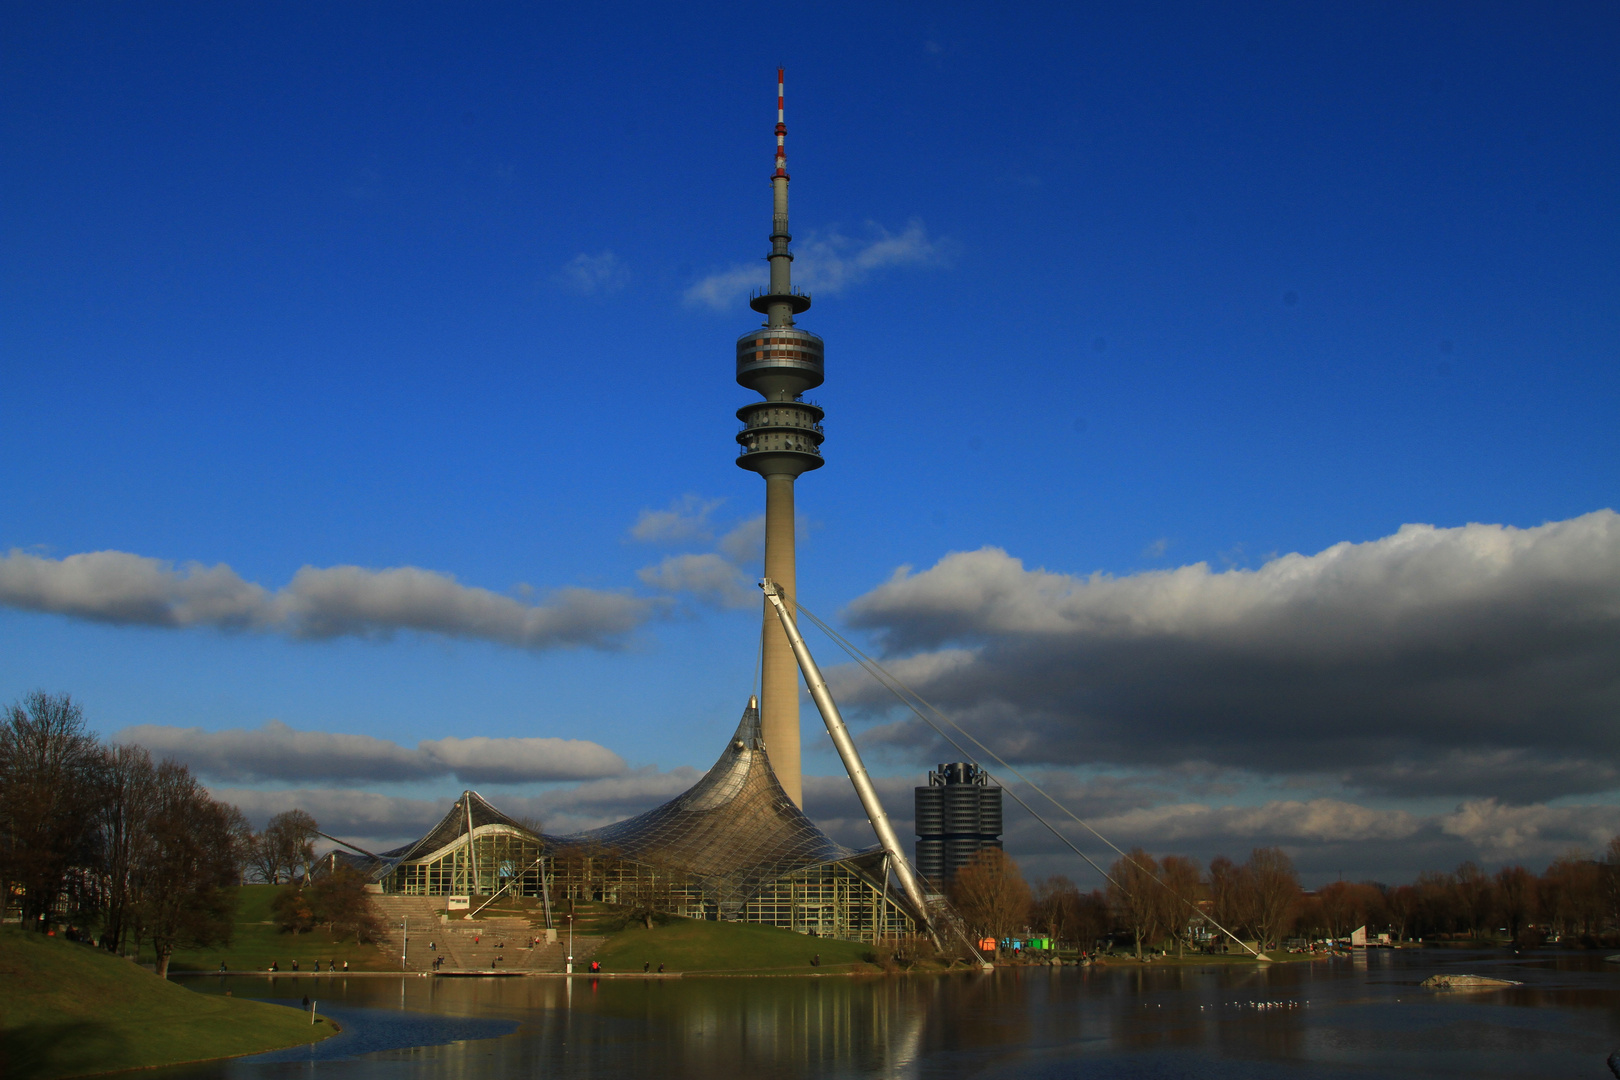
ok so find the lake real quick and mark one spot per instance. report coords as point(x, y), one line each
point(1360, 1017)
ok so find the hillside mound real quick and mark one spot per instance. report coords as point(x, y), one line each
point(72, 1010)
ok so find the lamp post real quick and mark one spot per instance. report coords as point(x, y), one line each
point(570, 969)
point(404, 943)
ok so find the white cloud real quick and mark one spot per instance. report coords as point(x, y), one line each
point(602, 802)
point(745, 544)
point(1315, 821)
point(361, 817)
point(686, 519)
point(827, 263)
point(511, 760)
point(600, 273)
point(831, 263)
point(708, 577)
point(1504, 832)
point(722, 290)
point(279, 752)
point(124, 589)
point(368, 819)
point(713, 577)
point(1470, 660)
point(117, 587)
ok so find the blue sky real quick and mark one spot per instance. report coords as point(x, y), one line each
point(453, 288)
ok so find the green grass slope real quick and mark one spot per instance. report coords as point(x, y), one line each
point(255, 942)
point(71, 1010)
point(692, 945)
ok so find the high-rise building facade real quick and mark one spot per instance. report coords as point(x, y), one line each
point(958, 815)
point(780, 439)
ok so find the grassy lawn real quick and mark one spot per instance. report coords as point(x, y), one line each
point(71, 1010)
point(695, 946)
point(256, 941)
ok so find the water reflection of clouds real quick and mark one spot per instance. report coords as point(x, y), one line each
point(372, 1030)
point(1323, 1018)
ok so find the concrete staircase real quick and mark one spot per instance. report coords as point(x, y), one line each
point(421, 917)
point(502, 943)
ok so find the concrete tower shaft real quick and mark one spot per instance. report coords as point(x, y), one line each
point(780, 439)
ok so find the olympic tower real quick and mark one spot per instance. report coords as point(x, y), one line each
point(781, 438)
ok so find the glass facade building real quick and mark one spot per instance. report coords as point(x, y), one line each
point(731, 847)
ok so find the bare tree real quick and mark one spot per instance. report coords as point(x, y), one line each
point(1439, 907)
point(187, 868)
point(1476, 898)
point(991, 895)
point(49, 792)
point(1093, 921)
point(130, 798)
point(1572, 893)
point(1134, 895)
point(1338, 908)
point(648, 890)
point(1057, 907)
point(1183, 888)
point(1276, 893)
point(285, 850)
point(1231, 894)
point(1402, 902)
point(338, 900)
point(1610, 871)
point(1516, 889)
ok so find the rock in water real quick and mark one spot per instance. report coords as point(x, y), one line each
point(1466, 982)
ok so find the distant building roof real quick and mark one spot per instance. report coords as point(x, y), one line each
point(732, 832)
point(735, 828)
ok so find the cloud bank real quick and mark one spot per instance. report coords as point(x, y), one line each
point(278, 752)
point(1328, 837)
point(715, 578)
point(1474, 661)
point(363, 816)
point(686, 519)
point(340, 601)
point(827, 263)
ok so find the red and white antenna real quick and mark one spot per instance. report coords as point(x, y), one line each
point(781, 129)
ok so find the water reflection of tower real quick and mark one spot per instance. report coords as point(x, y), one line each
point(958, 815)
point(781, 438)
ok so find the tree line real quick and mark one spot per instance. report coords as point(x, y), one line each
point(1172, 902)
point(95, 835)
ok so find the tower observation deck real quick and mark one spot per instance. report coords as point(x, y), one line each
point(780, 439)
